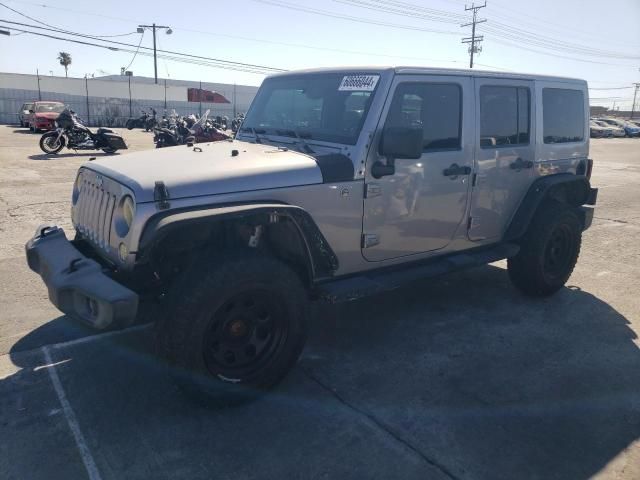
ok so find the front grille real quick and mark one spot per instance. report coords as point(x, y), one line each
point(94, 212)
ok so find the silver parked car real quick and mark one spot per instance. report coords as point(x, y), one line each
point(341, 183)
point(26, 110)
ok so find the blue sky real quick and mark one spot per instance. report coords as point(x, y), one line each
point(261, 32)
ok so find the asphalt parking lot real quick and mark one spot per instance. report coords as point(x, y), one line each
point(459, 377)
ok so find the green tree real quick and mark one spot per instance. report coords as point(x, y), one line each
point(65, 61)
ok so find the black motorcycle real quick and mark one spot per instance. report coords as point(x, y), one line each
point(176, 133)
point(140, 122)
point(71, 133)
point(152, 121)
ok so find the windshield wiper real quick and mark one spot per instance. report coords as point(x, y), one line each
point(301, 136)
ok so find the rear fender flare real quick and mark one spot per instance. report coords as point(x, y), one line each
point(566, 188)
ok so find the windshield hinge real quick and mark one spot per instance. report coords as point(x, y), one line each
point(161, 195)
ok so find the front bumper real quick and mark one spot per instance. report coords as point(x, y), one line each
point(77, 284)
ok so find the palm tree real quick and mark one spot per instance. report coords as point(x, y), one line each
point(65, 61)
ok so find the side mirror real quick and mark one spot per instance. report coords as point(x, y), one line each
point(402, 142)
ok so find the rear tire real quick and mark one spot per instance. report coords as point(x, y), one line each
point(109, 151)
point(549, 251)
point(235, 325)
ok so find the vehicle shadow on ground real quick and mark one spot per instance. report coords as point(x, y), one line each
point(54, 156)
point(24, 130)
point(455, 377)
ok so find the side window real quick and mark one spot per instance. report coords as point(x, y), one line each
point(504, 116)
point(562, 115)
point(436, 107)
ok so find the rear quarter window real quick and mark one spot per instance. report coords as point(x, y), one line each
point(563, 115)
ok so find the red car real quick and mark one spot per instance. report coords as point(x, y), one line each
point(43, 115)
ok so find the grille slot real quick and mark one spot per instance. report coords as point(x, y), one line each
point(94, 212)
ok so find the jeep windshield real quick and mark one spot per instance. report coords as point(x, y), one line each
point(327, 107)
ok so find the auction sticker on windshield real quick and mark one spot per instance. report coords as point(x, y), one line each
point(359, 83)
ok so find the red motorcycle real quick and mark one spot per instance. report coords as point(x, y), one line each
point(204, 131)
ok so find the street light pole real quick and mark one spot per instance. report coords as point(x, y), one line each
point(153, 27)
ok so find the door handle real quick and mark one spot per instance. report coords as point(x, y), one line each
point(454, 170)
point(519, 164)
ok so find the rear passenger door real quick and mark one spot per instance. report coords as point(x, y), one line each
point(505, 153)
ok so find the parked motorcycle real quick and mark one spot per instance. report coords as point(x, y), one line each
point(204, 130)
point(70, 132)
point(174, 134)
point(140, 122)
point(152, 121)
point(237, 122)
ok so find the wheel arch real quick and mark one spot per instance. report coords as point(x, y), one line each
point(566, 188)
point(290, 233)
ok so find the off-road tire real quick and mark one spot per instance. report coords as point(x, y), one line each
point(532, 270)
point(193, 307)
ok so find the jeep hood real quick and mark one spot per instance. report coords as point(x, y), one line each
point(217, 169)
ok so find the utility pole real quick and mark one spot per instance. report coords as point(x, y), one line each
point(39, 92)
point(475, 39)
point(635, 94)
point(154, 27)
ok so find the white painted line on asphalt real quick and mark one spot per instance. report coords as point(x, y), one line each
point(70, 415)
point(99, 336)
point(51, 364)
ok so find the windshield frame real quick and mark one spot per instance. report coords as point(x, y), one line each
point(303, 133)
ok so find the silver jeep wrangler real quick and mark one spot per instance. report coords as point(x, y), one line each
point(339, 184)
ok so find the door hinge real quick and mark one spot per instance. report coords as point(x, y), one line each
point(373, 190)
point(370, 240)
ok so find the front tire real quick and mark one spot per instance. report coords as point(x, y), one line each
point(50, 144)
point(549, 251)
point(235, 326)
point(130, 124)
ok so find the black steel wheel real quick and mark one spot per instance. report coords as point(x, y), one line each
point(233, 327)
point(244, 334)
point(548, 251)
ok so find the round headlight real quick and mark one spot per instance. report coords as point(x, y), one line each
point(124, 216)
point(76, 189)
point(128, 211)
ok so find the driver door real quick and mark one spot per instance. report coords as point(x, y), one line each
point(420, 207)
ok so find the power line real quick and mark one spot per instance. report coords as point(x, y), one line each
point(198, 57)
point(223, 64)
point(58, 28)
point(474, 39)
point(290, 6)
point(135, 54)
point(498, 29)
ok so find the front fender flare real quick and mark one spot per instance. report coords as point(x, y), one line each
point(322, 260)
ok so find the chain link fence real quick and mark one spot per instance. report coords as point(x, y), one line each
point(110, 103)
